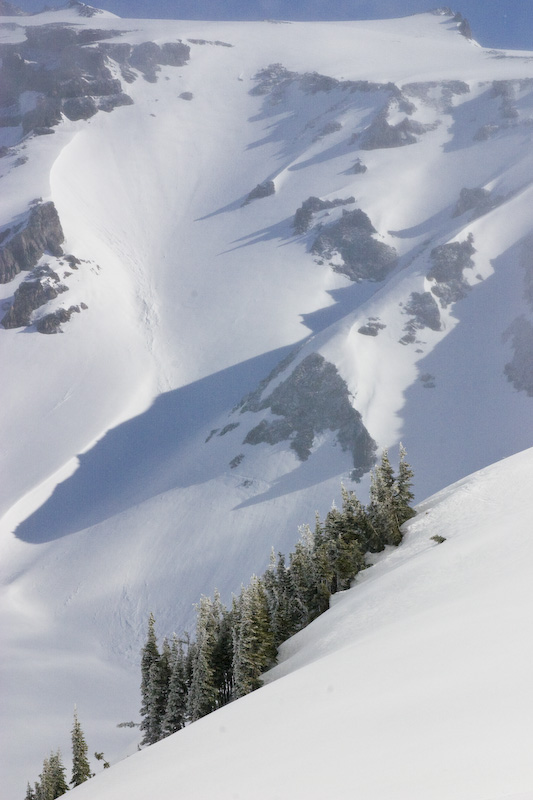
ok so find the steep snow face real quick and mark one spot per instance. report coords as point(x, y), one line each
point(251, 213)
point(407, 687)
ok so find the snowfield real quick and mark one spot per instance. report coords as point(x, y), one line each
point(132, 479)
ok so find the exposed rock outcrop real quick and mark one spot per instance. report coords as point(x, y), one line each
point(449, 262)
point(478, 200)
point(29, 296)
point(381, 135)
point(264, 189)
point(304, 215)
point(363, 257)
point(70, 71)
point(425, 314)
point(9, 10)
point(313, 399)
point(372, 327)
point(51, 323)
point(23, 249)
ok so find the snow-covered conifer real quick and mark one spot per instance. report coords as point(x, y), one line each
point(81, 770)
point(176, 707)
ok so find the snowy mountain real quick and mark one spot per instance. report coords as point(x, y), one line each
point(237, 261)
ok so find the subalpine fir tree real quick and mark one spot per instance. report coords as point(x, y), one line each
point(44, 786)
point(151, 687)
point(284, 606)
point(303, 574)
point(30, 793)
point(57, 772)
point(81, 769)
point(323, 571)
point(222, 656)
point(203, 691)
point(176, 710)
point(403, 496)
point(253, 645)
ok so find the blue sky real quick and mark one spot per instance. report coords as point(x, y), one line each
point(495, 23)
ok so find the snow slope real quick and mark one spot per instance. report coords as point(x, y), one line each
point(113, 503)
point(415, 684)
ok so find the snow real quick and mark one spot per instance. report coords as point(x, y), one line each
point(112, 503)
point(415, 683)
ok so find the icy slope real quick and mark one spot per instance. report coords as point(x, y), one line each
point(415, 684)
point(133, 479)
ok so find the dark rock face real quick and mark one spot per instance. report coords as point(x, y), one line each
point(425, 310)
point(264, 189)
point(70, 68)
point(148, 57)
point(83, 9)
point(464, 26)
point(449, 261)
point(372, 327)
point(29, 296)
point(313, 399)
point(304, 215)
point(478, 200)
point(9, 10)
point(363, 257)
point(186, 96)
point(51, 323)
point(381, 135)
point(425, 314)
point(275, 79)
point(46, 114)
point(216, 43)
point(114, 101)
point(519, 370)
point(79, 108)
point(23, 250)
point(359, 168)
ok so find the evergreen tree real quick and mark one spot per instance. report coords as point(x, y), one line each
point(176, 710)
point(323, 571)
point(303, 574)
point(253, 644)
point(57, 775)
point(222, 657)
point(81, 770)
point(403, 496)
point(153, 673)
point(44, 790)
point(30, 793)
point(284, 608)
point(203, 691)
point(381, 511)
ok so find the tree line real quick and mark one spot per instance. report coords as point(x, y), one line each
point(187, 679)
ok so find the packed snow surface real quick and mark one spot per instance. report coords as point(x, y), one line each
point(127, 486)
